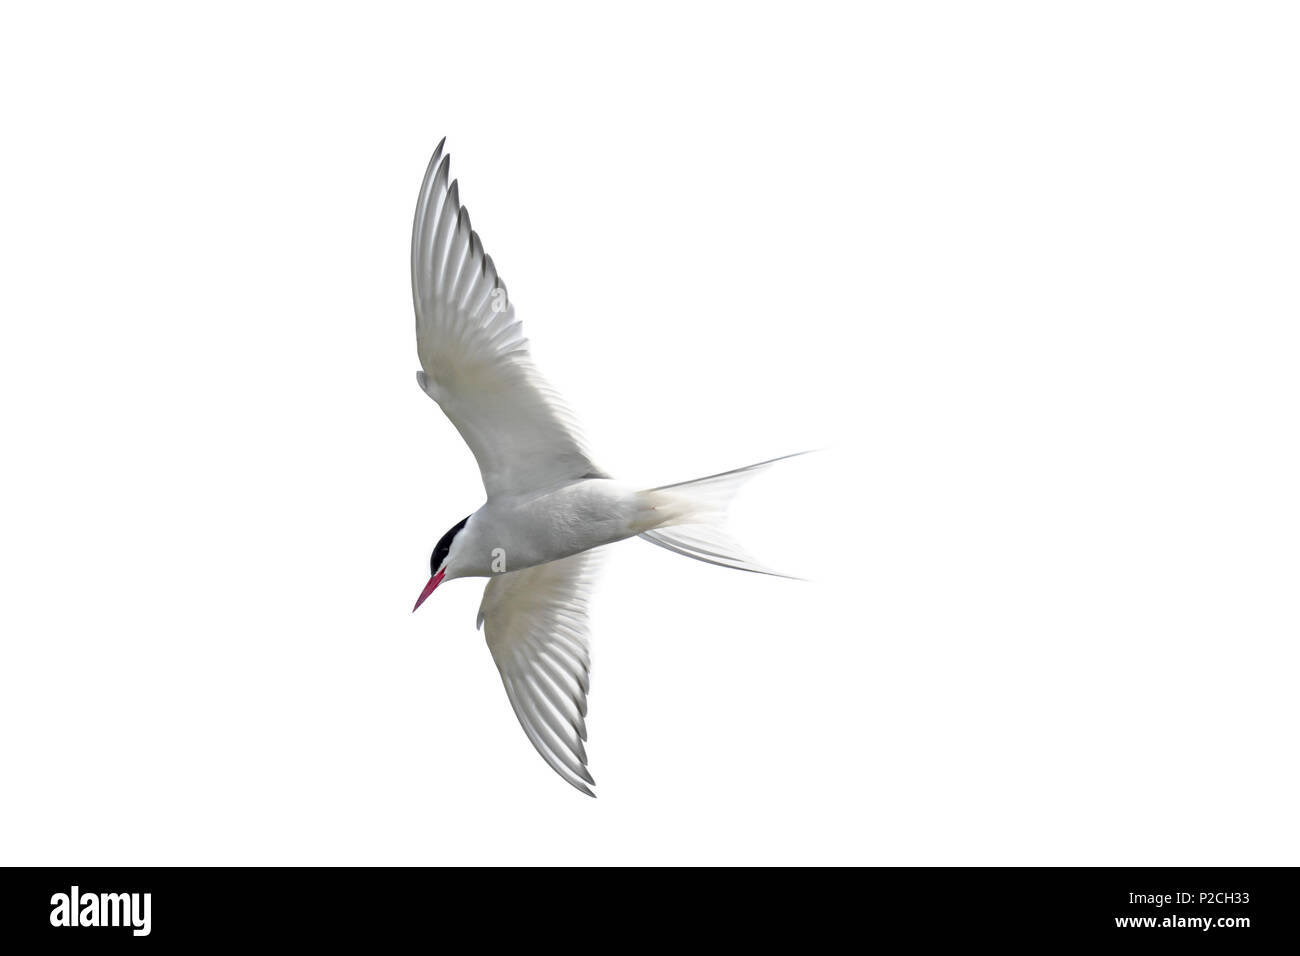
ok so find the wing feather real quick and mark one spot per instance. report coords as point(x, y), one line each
point(535, 621)
point(474, 356)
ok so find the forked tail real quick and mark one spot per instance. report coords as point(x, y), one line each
point(695, 518)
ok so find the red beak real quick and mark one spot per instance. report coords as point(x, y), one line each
point(429, 589)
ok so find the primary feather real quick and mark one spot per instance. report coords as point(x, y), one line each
point(474, 357)
point(535, 621)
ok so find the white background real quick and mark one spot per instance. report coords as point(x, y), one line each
point(1026, 272)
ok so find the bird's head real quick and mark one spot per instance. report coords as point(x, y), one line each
point(439, 562)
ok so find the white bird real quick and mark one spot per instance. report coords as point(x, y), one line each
point(548, 505)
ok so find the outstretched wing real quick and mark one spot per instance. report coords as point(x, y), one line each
point(536, 627)
point(474, 355)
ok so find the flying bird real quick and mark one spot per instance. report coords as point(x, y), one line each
point(549, 506)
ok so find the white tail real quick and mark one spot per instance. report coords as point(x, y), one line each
point(696, 513)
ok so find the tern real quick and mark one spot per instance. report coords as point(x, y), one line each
point(549, 506)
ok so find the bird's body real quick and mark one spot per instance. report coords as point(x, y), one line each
point(513, 532)
point(550, 509)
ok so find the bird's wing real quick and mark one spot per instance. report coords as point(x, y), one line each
point(474, 355)
point(536, 628)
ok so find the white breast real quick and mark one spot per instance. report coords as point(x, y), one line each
point(513, 532)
